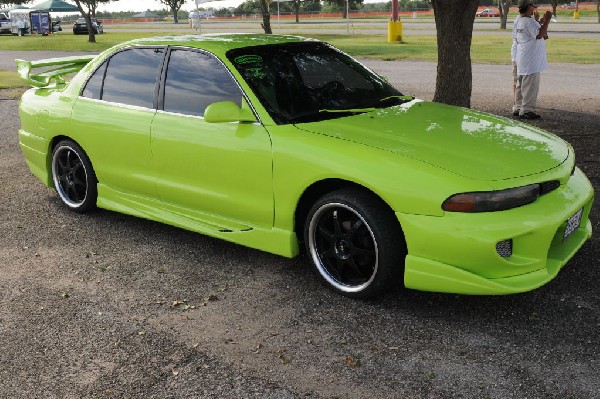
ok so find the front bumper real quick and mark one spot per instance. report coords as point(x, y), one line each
point(456, 253)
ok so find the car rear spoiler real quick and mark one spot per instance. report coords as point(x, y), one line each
point(65, 66)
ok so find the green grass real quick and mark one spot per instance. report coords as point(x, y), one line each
point(10, 80)
point(488, 49)
point(67, 41)
point(485, 49)
point(422, 48)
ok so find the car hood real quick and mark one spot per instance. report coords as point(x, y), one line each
point(469, 143)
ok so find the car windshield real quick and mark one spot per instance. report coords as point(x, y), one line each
point(310, 81)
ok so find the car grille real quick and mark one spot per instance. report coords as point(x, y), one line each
point(504, 248)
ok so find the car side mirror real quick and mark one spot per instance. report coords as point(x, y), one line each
point(227, 111)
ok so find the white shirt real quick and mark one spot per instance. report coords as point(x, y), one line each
point(531, 52)
point(513, 48)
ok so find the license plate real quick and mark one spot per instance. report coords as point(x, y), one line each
point(573, 224)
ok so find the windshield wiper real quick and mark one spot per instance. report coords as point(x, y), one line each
point(399, 99)
point(349, 111)
point(321, 114)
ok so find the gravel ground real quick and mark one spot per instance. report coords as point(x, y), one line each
point(110, 306)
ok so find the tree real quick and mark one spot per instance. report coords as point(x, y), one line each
point(92, 6)
point(174, 6)
point(340, 5)
point(296, 5)
point(88, 19)
point(307, 5)
point(248, 7)
point(264, 10)
point(503, 8)
point(554, 4)
point(454, 23)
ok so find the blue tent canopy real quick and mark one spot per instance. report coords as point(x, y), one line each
point(56, 6)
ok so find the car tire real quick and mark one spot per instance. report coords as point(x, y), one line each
point(74, 177)
point(355, 243)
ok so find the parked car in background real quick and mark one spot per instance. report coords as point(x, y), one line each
point(4, 23)
point(80, 26)
point(487, 13)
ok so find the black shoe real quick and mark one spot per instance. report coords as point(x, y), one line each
point(515, 113)
point(529, 115)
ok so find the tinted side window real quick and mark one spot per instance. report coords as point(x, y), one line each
point(196, 80)
point(93, 87)
point(131, 77)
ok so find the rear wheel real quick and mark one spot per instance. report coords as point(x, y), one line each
point(355, 243)
point(74, 177)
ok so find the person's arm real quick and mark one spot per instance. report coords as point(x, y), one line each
point(543, 32)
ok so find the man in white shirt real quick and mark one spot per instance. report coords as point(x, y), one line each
point(530, 57)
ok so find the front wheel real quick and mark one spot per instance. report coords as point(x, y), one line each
point(355, 243)
point(74, 177)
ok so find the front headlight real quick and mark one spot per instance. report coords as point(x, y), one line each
point(492, 201)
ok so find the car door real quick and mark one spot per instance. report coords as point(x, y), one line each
point(112, 118)
point(221, 169)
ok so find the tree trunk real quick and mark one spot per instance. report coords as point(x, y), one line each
point(454, 24)
point(297, 9)
point(175, 18)
point(88, 21)
point(504, 8)
point(266, 24)
point(91, 33)
point(554, 4)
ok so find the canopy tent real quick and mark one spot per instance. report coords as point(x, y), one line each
point(56, 6)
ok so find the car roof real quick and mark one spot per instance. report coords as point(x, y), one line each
point(218, 42)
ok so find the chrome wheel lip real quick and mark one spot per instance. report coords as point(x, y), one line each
point(58, 152)
point(325, 273)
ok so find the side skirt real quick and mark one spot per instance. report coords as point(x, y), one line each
point(273, 240)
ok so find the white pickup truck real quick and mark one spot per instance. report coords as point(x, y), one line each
point(4, 23)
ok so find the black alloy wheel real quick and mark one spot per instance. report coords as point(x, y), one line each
point(355, 243)
point(74, 177)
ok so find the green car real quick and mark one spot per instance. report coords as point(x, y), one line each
point(278, 142)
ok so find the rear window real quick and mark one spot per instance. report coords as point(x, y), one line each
point(130, 78)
